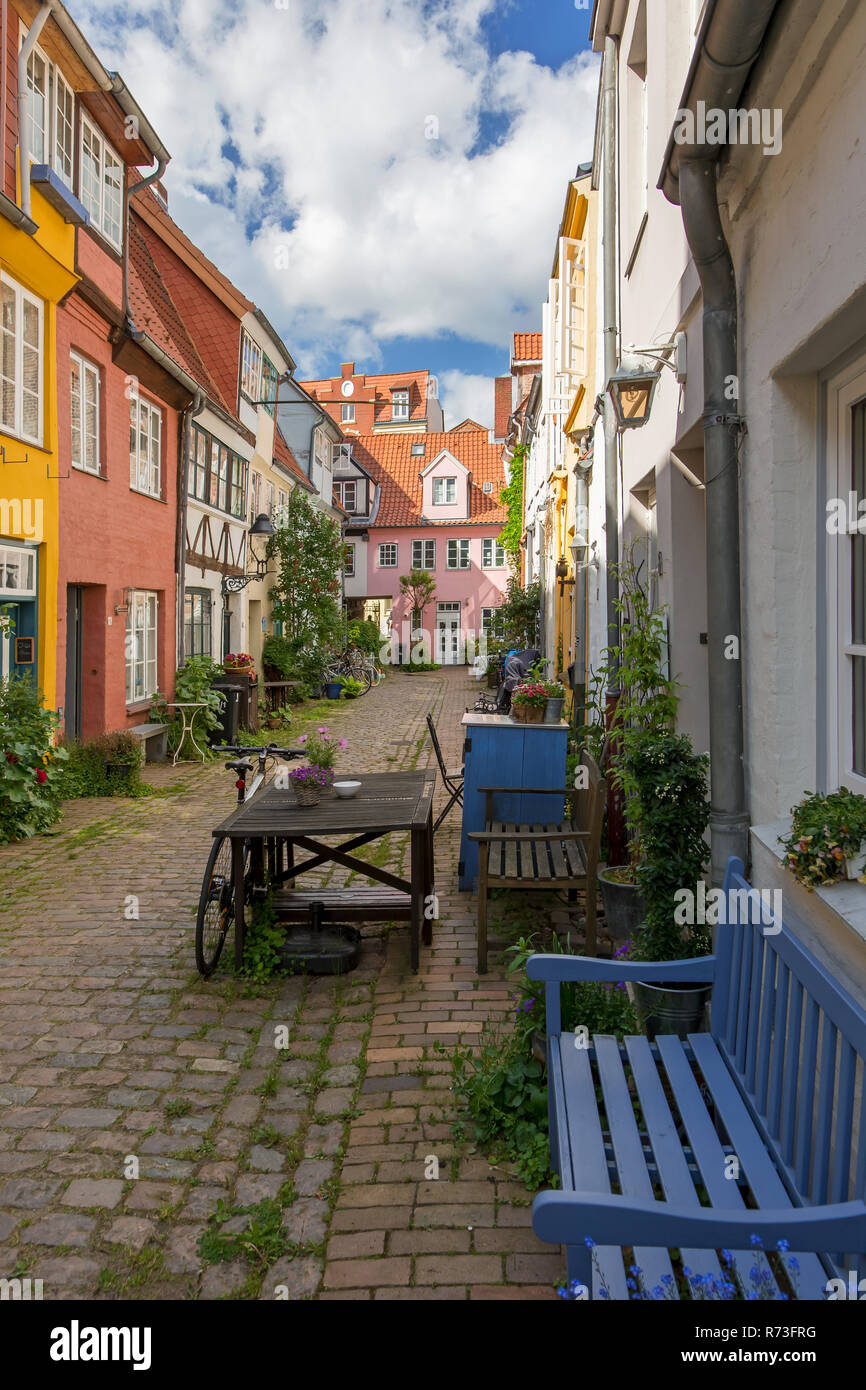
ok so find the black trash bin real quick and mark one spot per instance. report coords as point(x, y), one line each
point(230, 713)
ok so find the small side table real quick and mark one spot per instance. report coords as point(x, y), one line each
point(188, 712)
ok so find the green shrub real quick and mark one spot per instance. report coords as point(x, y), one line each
point(416, 668)
point(364, 633)
point(351, 688)
point(86, 771)
point(193, 684)
point(30, 788)
point(278, 652)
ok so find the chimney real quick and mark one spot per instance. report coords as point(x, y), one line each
point(503, 407)
point(347, 369)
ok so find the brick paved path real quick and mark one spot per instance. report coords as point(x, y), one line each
point(135, 1097)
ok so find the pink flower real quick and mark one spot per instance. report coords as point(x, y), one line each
point(302, 740)
point(322, 731)
point(343, 743)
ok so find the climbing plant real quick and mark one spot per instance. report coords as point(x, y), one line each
point(511, 498)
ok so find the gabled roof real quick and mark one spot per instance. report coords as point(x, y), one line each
point(154, 214)
point(390, 462)
point(469, 426)
point(527, 347)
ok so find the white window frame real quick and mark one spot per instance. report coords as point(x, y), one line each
point(488, 616)
point(349, 563)
point(142, 477)
point(342, 488)
point(21, 553)
point(142, 600)
point(58, 116)
point(16, 425)
point(426, 548)
point(347, 413)
point(844, 392)
point(463, 552)
point(401, 404)
point(97, 208)
point(388, 564)
point(493, 548)
point(441, 485)
point(86, 372)
point(252, 361)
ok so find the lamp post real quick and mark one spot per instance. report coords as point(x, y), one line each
point(262, 527)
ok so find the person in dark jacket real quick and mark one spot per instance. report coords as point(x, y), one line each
point(517, 665)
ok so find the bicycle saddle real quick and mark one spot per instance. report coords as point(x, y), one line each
point(240, 765)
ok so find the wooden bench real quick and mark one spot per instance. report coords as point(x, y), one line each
point(543, 855)
point(764, 1117)
point(154, 737)
point(372, 903)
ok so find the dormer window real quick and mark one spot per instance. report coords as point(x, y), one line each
point(251, 368)
point(444, 492)
point(101, 183)
point(347, 496)
point(418, 451)
point(400, 405)
point(51, 114)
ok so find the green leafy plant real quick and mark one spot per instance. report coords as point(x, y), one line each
point(351, 688)
point(261, 1242)
point(516, 620)
point(321, 747)
point(193, 685)
point(502, 1088)
point(365, 634)
point(419, 587)
point(278, 653)
point(532, 696)
point(265, 939)
point(31, 786)
point(308, 551)
point(597, 1007)
point(825, 832)
point(672, 810)
point(511, 498)
point(417, 668)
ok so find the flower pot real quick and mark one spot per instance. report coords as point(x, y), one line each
point(238, 670)
point(553, 711)
point(492, 680)
point(307, 795)
point(528, 714)
point(333, 690)
point(623, 905)
point(672, 1008)
point(119, 772)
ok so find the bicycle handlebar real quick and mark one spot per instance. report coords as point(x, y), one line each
point(271, 750)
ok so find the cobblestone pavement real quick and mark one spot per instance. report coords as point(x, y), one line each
point(138, 1102)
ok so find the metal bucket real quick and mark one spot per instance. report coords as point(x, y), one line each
point(672, 1008)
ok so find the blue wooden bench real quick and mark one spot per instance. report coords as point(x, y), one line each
point(777, 1084)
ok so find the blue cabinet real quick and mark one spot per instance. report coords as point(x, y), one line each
point(500, 752)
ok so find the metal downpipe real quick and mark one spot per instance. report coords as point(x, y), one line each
point(729, 819)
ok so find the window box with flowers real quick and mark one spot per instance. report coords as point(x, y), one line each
point(529, 702)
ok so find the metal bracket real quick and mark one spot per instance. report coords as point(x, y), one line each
point(711, 418)
point(53, 477)
point(13, 462)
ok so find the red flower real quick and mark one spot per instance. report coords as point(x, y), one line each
point(41, 775)
point(11, 758)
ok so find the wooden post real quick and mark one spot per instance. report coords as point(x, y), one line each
point(238, 881)
point(483, 861)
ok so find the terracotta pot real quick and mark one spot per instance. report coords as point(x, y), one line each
point(528, 714)
point(238, 670)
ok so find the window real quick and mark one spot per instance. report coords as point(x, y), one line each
point(348, 413)
point(51, 116)
point(141, 634)
point(101, 183)
point(846, 580)
point(492, 555)
point(84, 410)
point(387, 557)
point(487, 620)
point(197, 622)
point(17, 572)
point(399, 405)
point(347, 496)
point(217, 475)
point(270, 381)
point(458, 555)
point(255, 496)
point(418, 450)
point(349, 562)
point(270, 497)
point(444, 492)
point(145, 447)
point(423, 555)
point(251, 368)
point(21, 362)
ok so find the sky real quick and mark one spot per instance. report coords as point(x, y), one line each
point(384, 178)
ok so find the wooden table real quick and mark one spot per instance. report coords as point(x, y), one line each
point(273, 826)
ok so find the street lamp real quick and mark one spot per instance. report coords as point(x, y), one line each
point(631, 390)
point(261, 529)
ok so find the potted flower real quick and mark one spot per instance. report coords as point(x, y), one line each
point(670, 784)
point(321, 749)
point(555, 701)
point(308, 783)
point(239, 664)
point(528, 703)
point(492, 672)
point(828, 838)
point(121, 752)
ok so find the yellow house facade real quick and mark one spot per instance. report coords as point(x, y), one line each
point(37, 268)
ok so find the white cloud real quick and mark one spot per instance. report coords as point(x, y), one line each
point(465, 396)
point(362, 229)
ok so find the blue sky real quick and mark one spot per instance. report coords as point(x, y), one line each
point(383, 178)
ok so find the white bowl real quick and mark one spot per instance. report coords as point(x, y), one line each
point(347, 789)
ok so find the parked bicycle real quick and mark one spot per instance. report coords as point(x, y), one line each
point(216, 907)
point(356, 664)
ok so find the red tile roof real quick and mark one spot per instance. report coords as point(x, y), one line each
point(417, 383)
point(469, 426)
point(391, 463)
point(527, 347)
point(151, 210)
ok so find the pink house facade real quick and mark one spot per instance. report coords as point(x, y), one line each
point(428, 503)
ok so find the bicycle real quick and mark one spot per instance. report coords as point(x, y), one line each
point(216, 906)
point(352, 662)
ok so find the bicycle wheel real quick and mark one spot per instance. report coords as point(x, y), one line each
point(216, 905)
